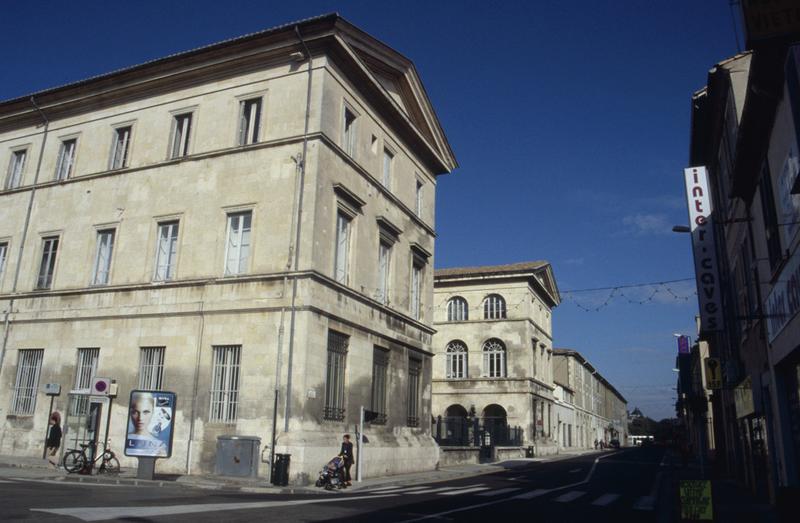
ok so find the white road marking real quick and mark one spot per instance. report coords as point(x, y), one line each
point(64, 483)
point(4, 481)
point(605, 499)
point(532, 494)
point(573, 471)
point(572, 495)
point(102, 513)
point(403, 490)
point(382, 489)
point(430, 491)
point(645, 503)
point(498, 492)
point(463, 491)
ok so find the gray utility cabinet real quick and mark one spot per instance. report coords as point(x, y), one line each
point(237, 456)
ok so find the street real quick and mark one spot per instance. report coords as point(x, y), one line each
point(613, 486)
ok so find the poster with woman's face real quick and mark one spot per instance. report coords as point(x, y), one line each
point(151, 416)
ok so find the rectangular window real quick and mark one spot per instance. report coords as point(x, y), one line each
point(15, 168)
point(66, 158)
point(380, 373)
point(349, 132)
point(85, 371)
point(182, 126)
point(770, 217)
point(3, 257)
point(122, 144)
point(249, 121)
point(225, 384)
point(166, 251)
point(387, 168)
point(419, 201)
point(384, 257)
point(237, 249)
point(102, 257)
point(416, 289)
point(29, 365)
point(151, 368)
point(414, 374)
point(343, 222)
point(334, 379)
point(48, 265)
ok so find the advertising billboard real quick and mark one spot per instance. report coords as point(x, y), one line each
point(151, 417)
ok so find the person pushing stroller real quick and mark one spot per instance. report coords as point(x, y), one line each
point(346, 453)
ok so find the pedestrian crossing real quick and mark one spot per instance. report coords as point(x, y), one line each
point(557, 495)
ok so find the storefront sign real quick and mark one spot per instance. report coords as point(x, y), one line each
point(696, 500)
point(701, 224)
point(743, 398)
point(151, 417)
point(713, 374)
point(683, 345)
point(767, 19)
point(783, 301)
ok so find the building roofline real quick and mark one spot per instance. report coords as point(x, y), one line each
point(585, 362)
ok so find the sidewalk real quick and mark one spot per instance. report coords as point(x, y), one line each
point(39, 469)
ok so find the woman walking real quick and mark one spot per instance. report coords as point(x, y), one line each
point(53, 439)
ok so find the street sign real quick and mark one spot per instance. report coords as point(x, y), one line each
point(683, 345)
point(52, 389)
point(696, 500)
point(713, 374)
point(101, 386)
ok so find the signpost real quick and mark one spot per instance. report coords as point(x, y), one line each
point(696, 502)
point(52, 390)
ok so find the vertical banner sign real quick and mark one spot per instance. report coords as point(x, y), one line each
point(701, 223)
point(696, 504)
point(683, 345)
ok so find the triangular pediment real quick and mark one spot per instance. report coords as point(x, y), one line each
point(547, 280)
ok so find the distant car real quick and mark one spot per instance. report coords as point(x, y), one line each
point(614, 443)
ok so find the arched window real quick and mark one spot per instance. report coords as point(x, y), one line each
point(494, 359)
point(494, 307)
point(457, 309)
point(456, 360)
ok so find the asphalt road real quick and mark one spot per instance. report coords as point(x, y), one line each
point(619, 487)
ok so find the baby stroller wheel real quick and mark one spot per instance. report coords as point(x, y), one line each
point(328, 486)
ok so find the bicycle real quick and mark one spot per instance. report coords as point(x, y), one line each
point(77, 461)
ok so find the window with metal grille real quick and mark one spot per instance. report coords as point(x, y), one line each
point(3, 257)
point(249, 121)
point(85, 370)
point(66, 158)
point(48, 265)
point(349, 132)
point(456, 360)
point(380, 373)
point(15, 168)
point(414, 375)
point(29, 365)
point(388, 157)
point(119, 150)
point(494, 307)
point(102, 257)
point(225, 384)
point(341, 257)
point(457, 309)
point(494, 359)
point(237, 249)
point(181, 127)
point(384, 256)
point(151, 368)
point(334, 380)
point(166, 251)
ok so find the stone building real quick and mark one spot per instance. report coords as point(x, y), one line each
point(248, 224)
point(493, 352)
point(600, 411)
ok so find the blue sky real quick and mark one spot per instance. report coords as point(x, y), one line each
point(569, 120)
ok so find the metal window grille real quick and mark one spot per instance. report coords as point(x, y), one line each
point(342, 246)
point(182, 126)
point(66, 158)
point(384, 255)
point(225, 384)
point(348, 133)
point(48, 265)
point(249, 121)
point(494, 359)
point(29, 365)
point(414, 374)
point(380, 373)
point(494, 307)
point(387, 168)
point(334, 383)
point(456, 360)
point(119, 152)
point(15, 168)
point(102, 257)
point(85, 370)
point(237, 249)
point(151, 368)
point(3, 257)
point(457, 309)
point(167, 251)
point(416, 282)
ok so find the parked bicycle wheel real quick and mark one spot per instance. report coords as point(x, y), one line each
point(109, 466)
point(74, 461)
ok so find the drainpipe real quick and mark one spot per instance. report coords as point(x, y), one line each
point(292, 265)
point(7, 319)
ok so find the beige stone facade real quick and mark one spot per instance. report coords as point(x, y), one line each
point(493, 349)
point(279, 189)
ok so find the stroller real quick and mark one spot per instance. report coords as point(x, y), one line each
point(330, 477)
